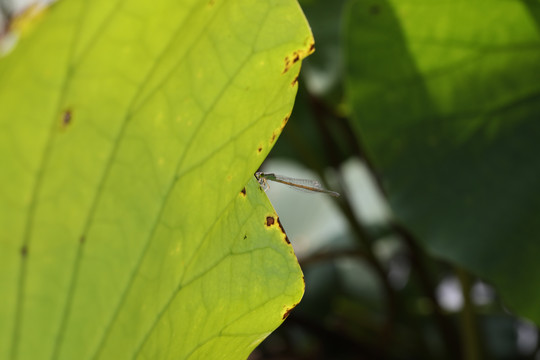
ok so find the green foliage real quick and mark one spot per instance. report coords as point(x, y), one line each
point(128, 130)
point(447, 99)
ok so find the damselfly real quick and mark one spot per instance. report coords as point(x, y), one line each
point(302, 184)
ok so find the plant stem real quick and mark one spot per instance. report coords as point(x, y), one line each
point(331, 255)
point(470, 337)
point(418, 262)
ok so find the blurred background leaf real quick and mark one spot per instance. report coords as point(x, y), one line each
point(447, 99)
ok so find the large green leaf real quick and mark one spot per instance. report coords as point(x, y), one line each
point(128, 130)
point(446, 96)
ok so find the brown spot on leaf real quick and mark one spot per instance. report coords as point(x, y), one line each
point(270, 221)
point(24, 251)
point(243, 191)
point(259, 150)
point(295, 81)
point(290, 61)
point(283, 231)
point(285, 120)
point(299, 54)
point(82, 239)
point(245, 237)
point(288, 311)
point(67, 117)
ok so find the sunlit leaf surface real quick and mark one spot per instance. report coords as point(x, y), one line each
point(128, 131)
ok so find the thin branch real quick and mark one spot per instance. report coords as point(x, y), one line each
point(340, 338)
point(470, 336)
point(418, 262)
point(321, 114)
point(331, 255)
